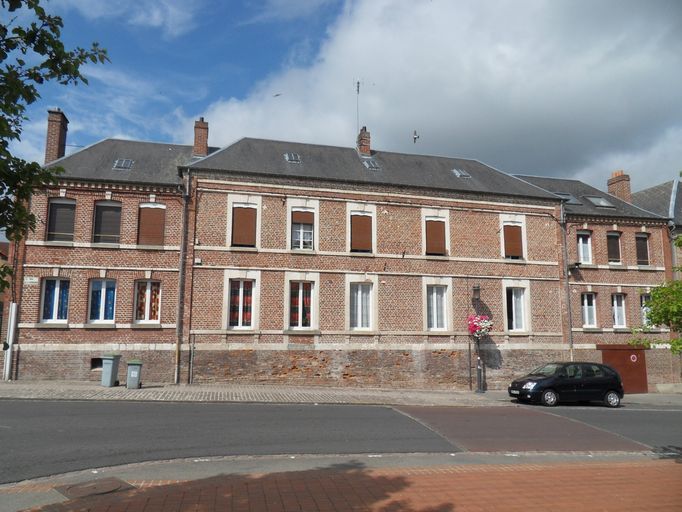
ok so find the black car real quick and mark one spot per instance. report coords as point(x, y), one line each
point(569, 382)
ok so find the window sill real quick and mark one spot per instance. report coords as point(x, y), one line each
point(143, 247)
point(243, 249)
point(146, 326)
point(587, 265)
point(617, 266)
point(111, 325)
point(302, 332)
point(646, 268)
point(593, 329)
point(362, 332)
point(104, 245)
point(55, 325)
point(517, 333)
point(306, 252)
point(357, 254)
point(622, 330)
point(515, 262)
point(436, 256)
point(56, 243)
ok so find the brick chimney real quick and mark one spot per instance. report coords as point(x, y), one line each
point(200, 138)
point(619, 186)
point(363, 142)
point(57, 126)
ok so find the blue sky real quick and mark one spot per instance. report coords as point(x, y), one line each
point(571, 88)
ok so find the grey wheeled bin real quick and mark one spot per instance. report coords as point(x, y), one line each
point(134, 380)
point(110, 370)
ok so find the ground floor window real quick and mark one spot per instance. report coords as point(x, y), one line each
point(436, 307)
point(55, 304)
point(589, 310)
point(241, 300)
point(147, 301)
point(300, 307)
point(618, 303)
point(516, 309)
point(360, 305)
point(102, 300)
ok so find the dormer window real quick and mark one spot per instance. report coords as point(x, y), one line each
point(292, 158)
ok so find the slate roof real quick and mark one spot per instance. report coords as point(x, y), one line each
point(659, 199)
point(580, 191)
point(153, 163)
point(266, 158)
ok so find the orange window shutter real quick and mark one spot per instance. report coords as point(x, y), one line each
point(151, 225)
point(435, 237)
point(361, 233)
point(513, 245)
point(244, 227)
point(302, 217)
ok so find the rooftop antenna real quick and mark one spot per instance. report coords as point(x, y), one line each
point(357, 106)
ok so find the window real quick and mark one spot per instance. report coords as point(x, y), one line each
point(241, 299)
point(60, 220)
point(435, 236)
point(360, 232)
point(244, 218)
point(613, 247)
point(436, 307)
point(642, 243)
point(618, 303)
point(645, 308)
point(585, 247)
point(516, 309)
point(151, 224)
point(147, 301)
point(107, 222)
point(300, 304)
point(302, 229)
point(55, 304)
point(599, 201)
point(102, 300)
point(512, 236)
point(360, 305)
point(589, 309)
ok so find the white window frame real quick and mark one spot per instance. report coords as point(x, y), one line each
point(361, 209)
point(242, 275)
point(507, 219)
point(588, 246)
point(585, 308)
point(102, 303)
point(311, 277)
point(303, 204)
point(244, 201)
point(526, 313)
point(615, 309)
point(147, 301)
point(437, 214)
point(373, 280)
point(447, 283)
point(644, 298)
point(55, 305)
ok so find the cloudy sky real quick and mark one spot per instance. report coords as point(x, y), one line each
point(574, 88)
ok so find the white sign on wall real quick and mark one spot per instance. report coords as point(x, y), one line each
point(30, 280)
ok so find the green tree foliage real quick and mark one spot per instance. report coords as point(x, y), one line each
point(31, 54)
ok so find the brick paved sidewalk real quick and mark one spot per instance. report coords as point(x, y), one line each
point(68, 390)
point(619, 486)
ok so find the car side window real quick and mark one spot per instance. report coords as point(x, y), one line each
point(573, 371)
point(598, 371)
point(588, 371)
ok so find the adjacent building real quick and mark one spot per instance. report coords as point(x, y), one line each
point(281, 262)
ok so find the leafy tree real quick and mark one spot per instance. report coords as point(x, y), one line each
point(31, 54)
point(665, 308)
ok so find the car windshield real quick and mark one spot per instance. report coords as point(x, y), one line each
point(546, 370)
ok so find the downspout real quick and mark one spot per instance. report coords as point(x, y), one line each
point(671, 224)
point(179, 324)
point(566, 273)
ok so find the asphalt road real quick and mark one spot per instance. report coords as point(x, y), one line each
point(42, 438)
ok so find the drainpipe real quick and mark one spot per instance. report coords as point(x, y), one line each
point(566, 273)
point(179, 324)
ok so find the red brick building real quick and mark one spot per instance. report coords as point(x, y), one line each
point(271, 261)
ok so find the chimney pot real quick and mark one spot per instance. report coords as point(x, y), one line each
point(619, 186)
point(200, 138)
point(57, 126)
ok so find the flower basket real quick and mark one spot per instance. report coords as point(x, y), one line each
point(479, 325)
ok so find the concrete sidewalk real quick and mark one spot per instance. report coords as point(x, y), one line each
point(269, 393)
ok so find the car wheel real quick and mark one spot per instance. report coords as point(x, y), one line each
point(611, 399)
point(549, 398)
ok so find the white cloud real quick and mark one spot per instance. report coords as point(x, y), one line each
point(541, 86)
point(172, 17)
point(287, 10)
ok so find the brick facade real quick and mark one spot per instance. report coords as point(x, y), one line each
point(395, 349)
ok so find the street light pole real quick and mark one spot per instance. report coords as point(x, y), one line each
point(476, 295)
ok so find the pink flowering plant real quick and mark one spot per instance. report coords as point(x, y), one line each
point(479, 325)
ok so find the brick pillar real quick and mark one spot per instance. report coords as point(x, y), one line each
point(619, 186)
point(363, 142)
point(57, 126)
point(200, 138)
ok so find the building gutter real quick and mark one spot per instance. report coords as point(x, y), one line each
point(182, 267)
point(567, 275)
